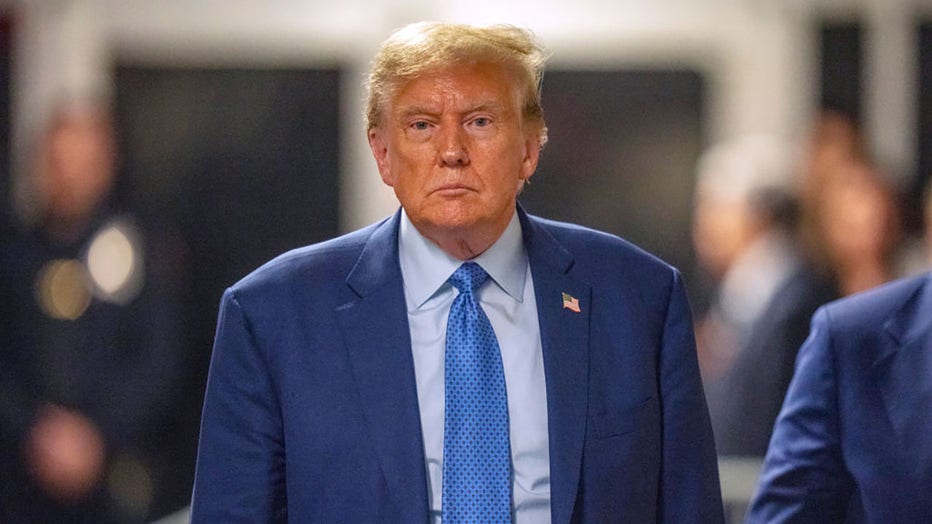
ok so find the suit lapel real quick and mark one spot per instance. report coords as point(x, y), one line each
point(565, 340)
point(904, 368)
point(375, 328)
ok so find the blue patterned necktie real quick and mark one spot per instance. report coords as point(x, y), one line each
point(476, 449)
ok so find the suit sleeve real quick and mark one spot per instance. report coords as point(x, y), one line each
point(690, 490)
point(240, 472)
point(804, 478)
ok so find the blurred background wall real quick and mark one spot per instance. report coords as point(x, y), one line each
point(748, 67)
point(239, 121)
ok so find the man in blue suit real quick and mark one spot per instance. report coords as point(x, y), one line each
point(853, 442)
point(336, 388)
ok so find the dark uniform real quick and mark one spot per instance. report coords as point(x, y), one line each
point(91, 324)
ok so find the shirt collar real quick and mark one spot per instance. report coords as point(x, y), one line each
point(425, 267)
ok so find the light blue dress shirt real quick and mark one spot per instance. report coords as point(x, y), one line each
point(508, 300)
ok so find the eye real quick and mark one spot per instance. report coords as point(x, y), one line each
point(420, 125)
point(482, 121)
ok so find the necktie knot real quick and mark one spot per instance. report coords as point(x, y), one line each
point(468, 277)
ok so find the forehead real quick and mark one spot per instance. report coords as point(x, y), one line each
point(458, 85)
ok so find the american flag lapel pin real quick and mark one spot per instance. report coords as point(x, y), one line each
point(570, 302)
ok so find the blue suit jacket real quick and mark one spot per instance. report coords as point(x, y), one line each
point(853, 442)
point(311, 409)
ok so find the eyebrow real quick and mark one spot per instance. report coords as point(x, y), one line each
point(410, 111)
point(487, 106)
point(414, 110)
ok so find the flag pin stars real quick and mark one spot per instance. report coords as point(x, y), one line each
point(570, 302)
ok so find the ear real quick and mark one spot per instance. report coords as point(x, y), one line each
point(379, 147)
point(531, 156)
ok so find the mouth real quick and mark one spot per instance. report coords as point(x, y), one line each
point(452, 190)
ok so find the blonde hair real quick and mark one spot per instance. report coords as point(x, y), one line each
point(424, 46)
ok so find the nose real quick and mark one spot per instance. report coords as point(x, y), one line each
point(453, 152)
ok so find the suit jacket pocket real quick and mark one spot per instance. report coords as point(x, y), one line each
point(616, 422)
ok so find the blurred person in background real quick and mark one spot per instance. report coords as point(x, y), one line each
point(860, 226)
point(90, 355)
point(850, 217)
point(745, 238)
point(833, 139)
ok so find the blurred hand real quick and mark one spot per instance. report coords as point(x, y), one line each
point(65, 453)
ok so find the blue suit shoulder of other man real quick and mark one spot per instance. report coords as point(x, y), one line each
point(313, 360)
point(853, 442)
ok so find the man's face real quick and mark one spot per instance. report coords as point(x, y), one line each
point(80, 159)
point(722, 229)
point(453, 146)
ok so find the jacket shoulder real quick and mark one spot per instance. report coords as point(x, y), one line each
point(596, 250)
point(327, 261)
point(876, 305)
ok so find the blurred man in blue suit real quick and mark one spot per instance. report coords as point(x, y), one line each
point(853, 442)
point(339, 391)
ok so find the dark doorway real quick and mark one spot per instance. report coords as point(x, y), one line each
point(244, 163)
point(621, 157)
point(840, 67)
point(925, 111)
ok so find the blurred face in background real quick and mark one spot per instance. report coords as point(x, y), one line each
point(722, 229)
point(835, 140)
point(454, 147)
point(858, 214)
point(77, 162)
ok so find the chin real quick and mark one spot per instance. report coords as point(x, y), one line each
point(452, 223)
point(449, 214)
